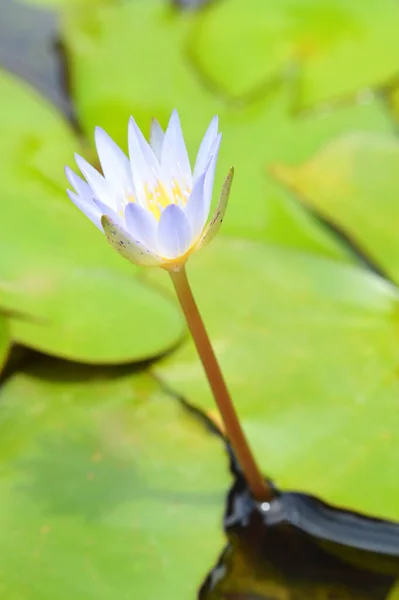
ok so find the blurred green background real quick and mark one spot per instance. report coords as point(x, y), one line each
point(109, 487)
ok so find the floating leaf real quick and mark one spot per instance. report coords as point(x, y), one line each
point(337, 48)
point(309, 349)
point(354, 184)
point(257, 139)
point(76, 297)
point(96, 317)
point(107, 485)
point(36, 141)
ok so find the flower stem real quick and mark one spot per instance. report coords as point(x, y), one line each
point(256, 483)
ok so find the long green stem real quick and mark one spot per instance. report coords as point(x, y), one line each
point(235, 434)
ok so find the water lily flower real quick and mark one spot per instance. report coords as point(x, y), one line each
point(154, 211)
point(151, 206)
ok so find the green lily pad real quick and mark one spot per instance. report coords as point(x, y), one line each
point(309, 348)
point(133, 59)
point(36, 141)
point(75, 296)
point(255, 140)
point(120, 320)
point(337, 47)
point(107, 485)
point(354, 183)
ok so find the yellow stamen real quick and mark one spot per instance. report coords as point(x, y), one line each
point(157, 197)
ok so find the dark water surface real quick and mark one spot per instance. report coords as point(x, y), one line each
point(30, 48)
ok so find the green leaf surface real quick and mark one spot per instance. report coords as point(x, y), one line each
point(263, 135)
point(120, 320)
point(109, 488)
point(133, 59)
point(337, 47)
point(309, 348)
point(354, 183)
point(77, 298)
point(35, 143)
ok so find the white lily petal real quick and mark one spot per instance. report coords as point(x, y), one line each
point(147, 151)
point(175, 164)
point(214, 149)
point(87, 207)
point(175, 133)
point(218, 216)
point(210, 172)
point(95, 180)
point(142, 225)
point(157, 136)
point(174, 232)
point(203, 154)
point(145, 166)
point(81, 187)
point(196, 209)
point(127, 246)
point(114, 163)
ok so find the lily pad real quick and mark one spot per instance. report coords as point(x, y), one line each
point(309, 348)
point(107, 485)
point(354, 184)
point(36, 141)
point(120, 320)
point(134, 59)
point(337, 47)
point(256, 139)
point(76, 297)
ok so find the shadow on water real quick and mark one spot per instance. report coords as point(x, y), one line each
point(30, 48)
point(299, 548)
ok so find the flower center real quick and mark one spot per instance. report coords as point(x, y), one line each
point(157, 198)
